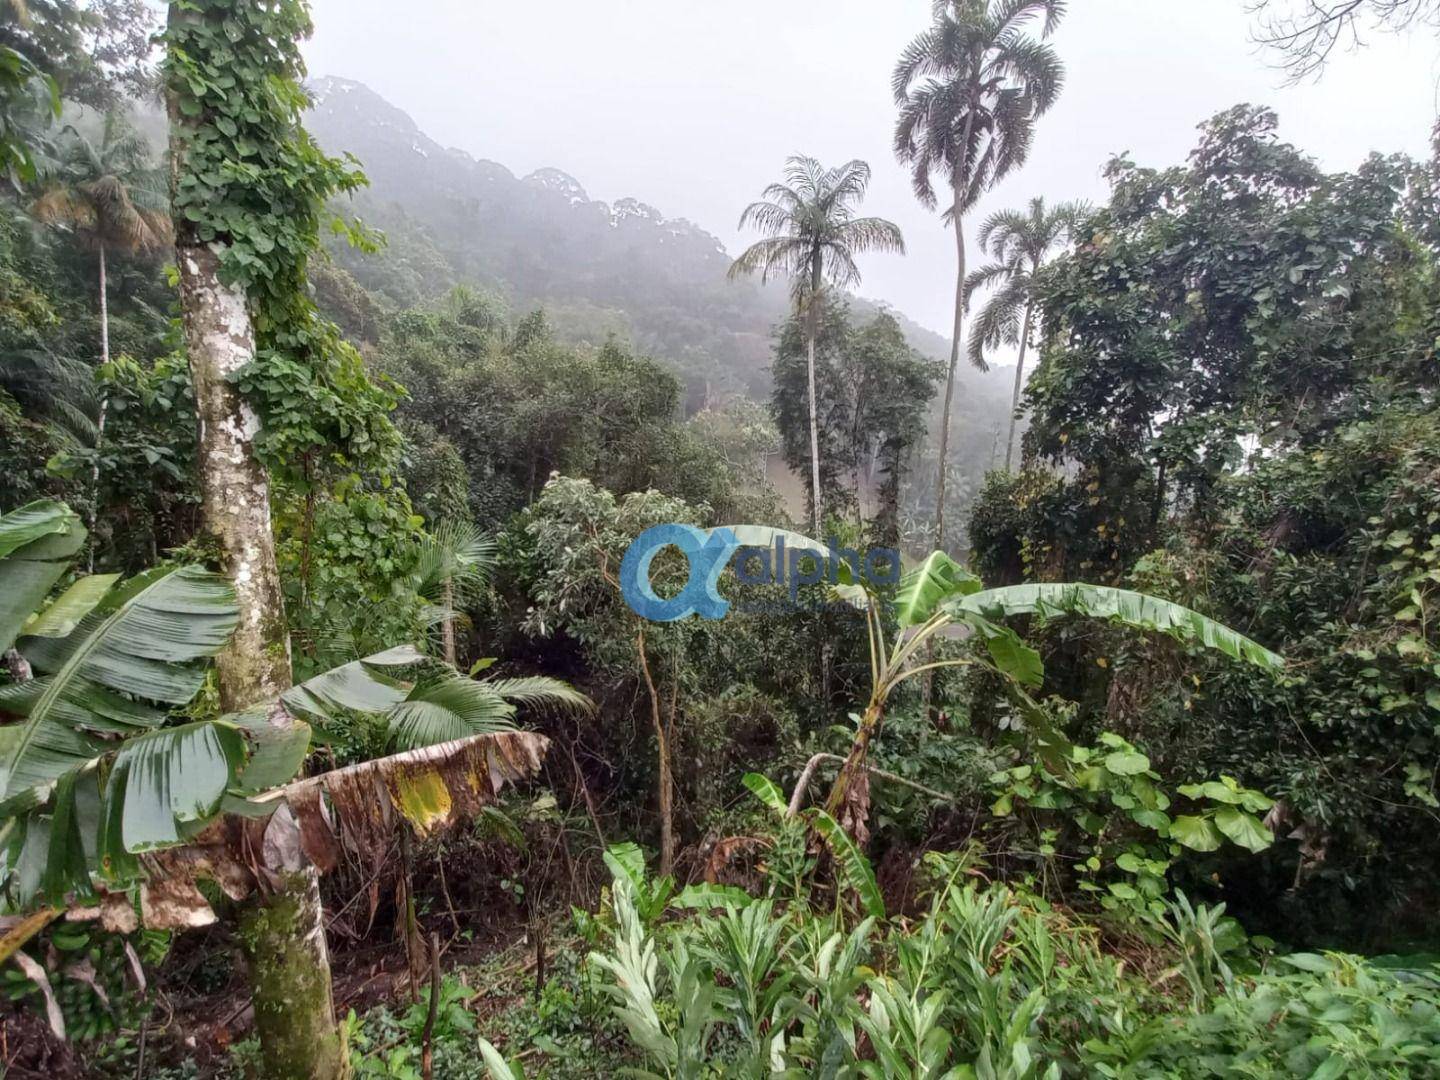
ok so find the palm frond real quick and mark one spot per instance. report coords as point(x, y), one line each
point(999, 322)
point(445, 708)
point(541, 691)
point(813, 235)
point(782, 255)
point(866, 234)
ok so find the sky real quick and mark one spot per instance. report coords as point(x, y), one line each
point(693, 106)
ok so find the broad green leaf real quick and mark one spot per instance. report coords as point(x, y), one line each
point(64, 613)
point(497, 1066)
point(854, 867)
point(764, 789)
point(174, 776)
point(36, 544)
point(1195, 832)
point(277, 751)
point(626, 862)
point(145, 641)
point(1318, 965)
point(703, 896)
point(1007, 649)
point(371, 685)
point(1134, 609)
point(30, 522)
point(1245, 829)
point(925, 587)
point(1127, 763)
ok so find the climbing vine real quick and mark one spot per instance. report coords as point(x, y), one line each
point(254, 185)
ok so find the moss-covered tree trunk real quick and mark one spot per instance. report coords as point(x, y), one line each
point(284, 943)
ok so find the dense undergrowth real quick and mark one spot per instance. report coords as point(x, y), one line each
point(983, 980)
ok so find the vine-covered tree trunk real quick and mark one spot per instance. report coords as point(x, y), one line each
point(284, 930)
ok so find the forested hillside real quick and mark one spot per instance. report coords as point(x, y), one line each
point(629, 270)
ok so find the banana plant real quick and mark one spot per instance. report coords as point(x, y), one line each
point(89, 773)
point(93, 770)
point(939, 597)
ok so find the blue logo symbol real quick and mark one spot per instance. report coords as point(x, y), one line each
point(709, 552)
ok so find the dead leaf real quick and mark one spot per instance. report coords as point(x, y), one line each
point(36, 974)
point(174, 904)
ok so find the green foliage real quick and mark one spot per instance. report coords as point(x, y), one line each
point(253, 182)
point(1108, 823)
point(401, 699)
point(515, 411)
point(1259, 448)
point(872, 390)
point(109, 660)
point(994, 983)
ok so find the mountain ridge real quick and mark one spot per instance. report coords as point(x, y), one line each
point(539, 240)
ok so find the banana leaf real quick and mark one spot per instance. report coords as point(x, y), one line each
point(37, 542)
point(141, 647)
point(925, 587)
point(1134, 609)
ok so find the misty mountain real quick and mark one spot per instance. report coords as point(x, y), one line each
point(626, 268)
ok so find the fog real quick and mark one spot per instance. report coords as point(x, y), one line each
point(693, 107)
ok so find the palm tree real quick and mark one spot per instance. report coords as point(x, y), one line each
point(1019, 241)
point(813, 238)
point(970, 89)
point(109, 196)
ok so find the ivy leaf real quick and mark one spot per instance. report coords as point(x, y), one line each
point(1244, 829)
point(1127, 763)
point(1196, 833)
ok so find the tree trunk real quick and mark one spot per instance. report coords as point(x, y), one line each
point(104, 311)
point(104, 408)
point(283, 926)
point(956, 341)
point(284, 943)
point(811, 331)
point(1019, 382)
point(255, 665)
point(447, 627)
point(666, 777)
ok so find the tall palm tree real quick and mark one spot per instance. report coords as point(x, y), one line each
point(969, 90)
point(813, 238)
point(1019, 241)
point(109, 196)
